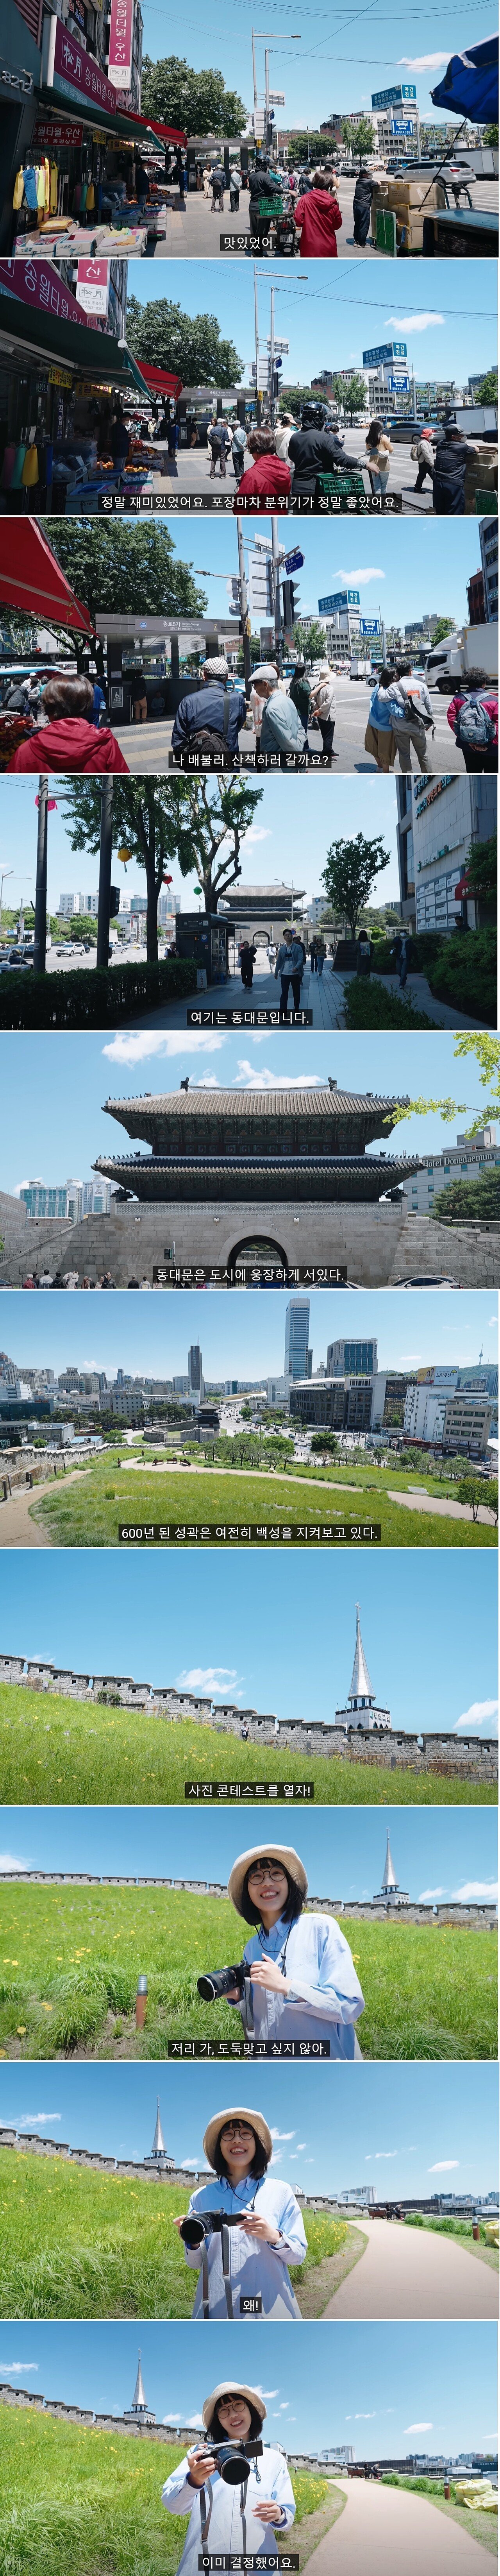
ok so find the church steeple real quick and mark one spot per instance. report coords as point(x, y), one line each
point(139, 2410)
point(389, 1881)
point(361, 1692)
point(362, 1714)
point(158, 2146)
point(390, 1893)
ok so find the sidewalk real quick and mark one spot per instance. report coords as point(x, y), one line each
point(443, 1014)
point(321, 994)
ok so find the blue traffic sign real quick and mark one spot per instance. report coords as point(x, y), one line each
point(293, 563)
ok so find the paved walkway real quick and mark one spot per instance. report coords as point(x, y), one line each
point(16, 1528)
point(387, 2528)
point(409, 2272)
point(418, 991)
point(321, 994)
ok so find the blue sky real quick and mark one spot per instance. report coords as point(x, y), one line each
point(448, 333)
point(437, 2383)
point(59, 1081)
point(341, 58)
point(404, 576)
point(345, 806)
point(202, 1639)
point(403, 2128)
point(436, 1853)
point(243, 1336)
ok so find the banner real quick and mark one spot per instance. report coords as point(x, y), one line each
point(34, 282)
point(92, 279)
point(77, 74)
point(120, 43)
point(51, 137)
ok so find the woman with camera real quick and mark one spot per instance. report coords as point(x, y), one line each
point(303, 1983)
point(253, 2227)
point(237, 2498)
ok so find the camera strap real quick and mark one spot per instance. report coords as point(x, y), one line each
point(206, 2514)
point(246, 2008)
point(226, 2274)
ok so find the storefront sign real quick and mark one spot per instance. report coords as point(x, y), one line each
point(92, 280)
point(77, 74)
point(58, 376)
point(33, 282)
point(82, 386)
point(436, 790)
point(17, 80)
point(55, 136)
point(120, 43)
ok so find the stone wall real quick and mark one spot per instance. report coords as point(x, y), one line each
point(470, 1917)
point(38, 2405)
point(27, 2142)
point(377, 1242)
point(463, 1756)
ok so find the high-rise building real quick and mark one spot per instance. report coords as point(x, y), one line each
point(438, 819)
point(298, 1357)
point(351, 1359)
point(195, 1372)
point(464, 1161)
point(488, 540)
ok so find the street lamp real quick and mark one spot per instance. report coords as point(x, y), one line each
point(260, 35)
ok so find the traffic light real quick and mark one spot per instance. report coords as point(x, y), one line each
point(290, 599)
point(114, 901)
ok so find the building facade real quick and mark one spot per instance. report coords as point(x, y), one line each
point(464, 1161)
point(488, 539)
point(438, 819)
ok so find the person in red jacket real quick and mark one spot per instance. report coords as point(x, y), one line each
point(68, 740)
point(269, 472)
point(318, 218)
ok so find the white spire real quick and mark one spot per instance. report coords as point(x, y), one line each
point(389, 1881)
point(158, 2146)
point(139, 2404)
point(361, 1687)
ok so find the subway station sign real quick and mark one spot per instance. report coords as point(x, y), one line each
point(383, 356)
point(393, 97)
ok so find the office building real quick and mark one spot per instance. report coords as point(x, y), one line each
point(70, 905)
point(438, 819)
point(464, 1161)
point(335, 1404)
point(195, 1373)
point(298, 1357)
point(488, 540)
point(68, 1199)
point(351, 1359)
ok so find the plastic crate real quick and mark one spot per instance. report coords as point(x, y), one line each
point(343, 486)
point(386, 231)
point(486, 505)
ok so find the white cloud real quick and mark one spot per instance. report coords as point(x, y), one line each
point(206, 1677)
point(414, 321)
point(422, 62)
point(481, 1713)
point(373, 572)
point(132, 1046)
point(449, 2164)
point(195, 2163)
point(418, 2428)
point(267, 2393)
point(260, 1078)
point(283, 2133)
point(256, 832)
point(195, 2420)
point(362, 2418)
point(11, 2368)
point(13, 1860)
point(383, 2155)
point(32, 2120)
point(480, 1891)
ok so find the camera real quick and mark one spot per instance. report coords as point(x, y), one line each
point(220, 1980)
point(194, 2230)
point(234, 2460)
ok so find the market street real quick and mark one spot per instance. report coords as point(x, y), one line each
point(146, 747)
point(194, 232)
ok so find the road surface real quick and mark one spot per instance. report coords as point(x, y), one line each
point(146, 747)
point(386, 2528)
point(409, 2272)
point(190, 472)
point(194, 232)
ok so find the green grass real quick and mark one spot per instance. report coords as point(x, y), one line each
point(70, 1958)
point(59, 1752)
point(461, 2230)
point(89, 2503)
point(81, 2244)
point(87, 1513)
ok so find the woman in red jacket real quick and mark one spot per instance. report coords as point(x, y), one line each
point(269, 472)
point(319, 219)
point(69, 740)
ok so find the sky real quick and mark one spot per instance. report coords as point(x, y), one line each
point(349, 806)
point(243, 1335)
point(201, 1638)
point(338, 61)
point(401, 577)
point(437, 2382)
point(341, 314)
point(57, 1125)
point(403, 2128)
point(436, 1853)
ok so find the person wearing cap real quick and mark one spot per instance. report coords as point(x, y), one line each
point(209, 716)
point(238, 2145)
point(281, 729)
point(231, 2518)
point(303, 1981)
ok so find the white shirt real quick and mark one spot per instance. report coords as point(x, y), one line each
point(273, 2485)
point(325, 1998)
point(255, 2269)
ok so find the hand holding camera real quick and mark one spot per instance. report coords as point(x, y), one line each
point(269, 1975)
point(200, 2465)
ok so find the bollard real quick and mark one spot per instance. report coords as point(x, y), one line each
point(475, 2230)
point(447, 2490)
point(141, 2002)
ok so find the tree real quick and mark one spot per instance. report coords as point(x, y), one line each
point(445, 626)
point(359, 139)
point(200, 823)
point(472, 1491)
point(197, 101)
point(355, 396)
point(488, 391)
point(309, 146)
point(490, 135)
point(187, 345)
point(482, 866)
point(486, 1048)
point(471, 1200)
point(310, 642)
point(351, 867)
point(117, 566)
point(324, 1444)
point(293, 397)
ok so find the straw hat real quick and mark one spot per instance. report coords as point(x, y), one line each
point(232, 2388)
point(282, 1852)
point(255, 2122)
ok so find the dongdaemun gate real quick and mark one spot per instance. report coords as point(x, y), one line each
point(287, 1181)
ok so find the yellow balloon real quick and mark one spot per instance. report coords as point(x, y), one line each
point(124, 855)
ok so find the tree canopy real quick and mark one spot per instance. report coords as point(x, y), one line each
point(200, 823)
point(197, 101)
point(486, 1049)
point(187, 345)
point(351, 867)
point(116, 566)
point(310, 641)
point(354, 395)
point(488, 391)
point(482, 866)
point(360, 138)
point(474, 1199)
point(444, 627)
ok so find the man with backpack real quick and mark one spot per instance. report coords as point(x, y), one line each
point(209, 717)
point(473, 718)
point(412, 717)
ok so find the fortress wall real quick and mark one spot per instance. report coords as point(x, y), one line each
point(22, 2397)
point(470, 1917)
point(467, 1757)
point(375, 1240)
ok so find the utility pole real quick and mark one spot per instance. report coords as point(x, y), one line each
point(278, 633)
point(40, 941)
point(271, 361)
point(102, 958)
point(266, 111)
point(256, 319)
point(254, 69)
point(247, 658)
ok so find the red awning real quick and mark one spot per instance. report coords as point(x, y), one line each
point(159, 382)
point(166, 133)
point(31, 579)
point(463, 886)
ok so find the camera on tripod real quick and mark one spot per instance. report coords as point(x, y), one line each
point(219, 1981)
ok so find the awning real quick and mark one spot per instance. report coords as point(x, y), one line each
point(470, 83)
point(128, 128)
point(463, 887)
point(165, 133)
point(159, 382)
point(31, 579)
point(69, 344)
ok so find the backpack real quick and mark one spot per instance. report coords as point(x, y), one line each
point(474, 726)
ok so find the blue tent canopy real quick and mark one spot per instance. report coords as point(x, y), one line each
point(470, 85)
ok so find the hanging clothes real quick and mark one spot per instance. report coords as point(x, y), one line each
point(90, 197)
point(17, 472)
point(29, 184)
point(53, 188)
point(18, 191)
point(40, 188)
point(30, 467)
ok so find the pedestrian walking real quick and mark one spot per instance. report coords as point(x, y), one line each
point(323, 706)
point(362, 204)
point(412, 717)
point(280, 729)
point(313, 961)
point(473, 718)
point(401, 951)
point(380, 738)
point(379, 452)
point(320, 955)
point(290, 967)
point(238, 450)
point(318, 219)
point(210, 716)
point(422, 454)
point(248, 955)
point(300, 695)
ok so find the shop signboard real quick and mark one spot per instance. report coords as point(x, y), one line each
point(92, 281)
point(55, 136)
point(33, 281)
point(76, 73)
point(59, 376)
point(393, 97)
point(382, 357)
point(120, 43)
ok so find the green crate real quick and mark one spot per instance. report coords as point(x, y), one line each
point(343, 486)
point(386, 231)
point(268, 206)
point(486, 505)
